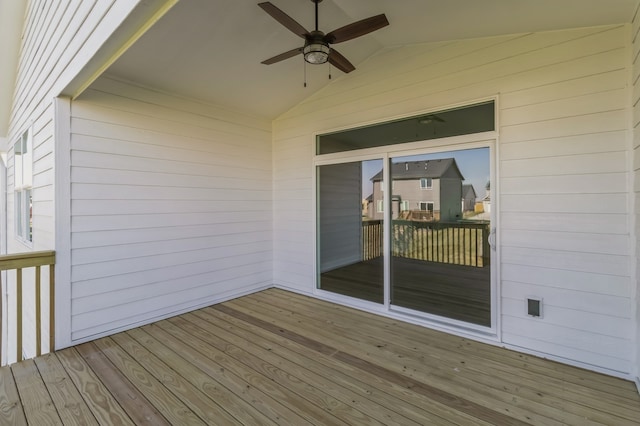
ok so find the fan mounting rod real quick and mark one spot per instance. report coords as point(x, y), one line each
point(316, 2)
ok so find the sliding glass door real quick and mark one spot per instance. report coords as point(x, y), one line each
point(350, 231)
point(440, 254)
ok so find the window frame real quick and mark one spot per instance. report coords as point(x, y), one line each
point(23, 187)
point(426, 204)
point(428, 183)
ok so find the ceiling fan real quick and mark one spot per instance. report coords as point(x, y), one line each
point(317, 46)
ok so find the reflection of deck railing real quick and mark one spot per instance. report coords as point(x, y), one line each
point(458, 243)
point(371, 239)
point(19, 262)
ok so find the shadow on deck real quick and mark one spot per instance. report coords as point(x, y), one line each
point(279, 358)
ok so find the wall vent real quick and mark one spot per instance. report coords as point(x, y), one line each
point(534, 306)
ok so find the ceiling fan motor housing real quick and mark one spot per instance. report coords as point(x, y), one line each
point(316, 50)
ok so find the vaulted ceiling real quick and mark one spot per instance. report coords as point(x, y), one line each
point(212, 49)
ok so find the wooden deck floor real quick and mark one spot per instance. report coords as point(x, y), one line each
point(279, 358)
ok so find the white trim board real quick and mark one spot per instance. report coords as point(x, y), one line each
point(62, 190)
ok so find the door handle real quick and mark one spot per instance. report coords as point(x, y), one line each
point(492, 238)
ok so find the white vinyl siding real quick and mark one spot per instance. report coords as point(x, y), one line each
point(562, 193)
point(58, 39)
point(635, 101)
point(171, 207)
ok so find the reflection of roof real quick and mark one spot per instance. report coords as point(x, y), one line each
point(420, 169)
point(468, 192)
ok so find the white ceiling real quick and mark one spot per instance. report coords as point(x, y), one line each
point(212, 49)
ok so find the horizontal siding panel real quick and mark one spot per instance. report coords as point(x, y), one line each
point(557, 259)
point(109, 145)
point(200, 261)
point(570, 338)
point(111, 86)
point(131, 192)
point(609, 162)
point(612, 285)
point(129, 236)
point(127, 207)
point(563, 184)
point(574, 106)
point(606, 244)
point(258, 242)
point(584, 223)
point(135, 131)
point(112, 320)
point(566, 203)
point(560, 316)
point(601, 142)
point(136, 298)
point(168, 120)
point(572, 88)
point(88, 175)
point(566, 126)
point(557, 349)
point(174, 279)
point(123, 162)
point(121, 222)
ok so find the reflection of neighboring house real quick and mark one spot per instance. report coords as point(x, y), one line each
point(468, 198)
point(367, 206)
point(422, 190)
point(486, 201)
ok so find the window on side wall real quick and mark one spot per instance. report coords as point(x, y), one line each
point(23, 184)
point(426, 183)
point(425, 206)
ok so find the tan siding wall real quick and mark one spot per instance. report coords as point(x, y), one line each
point(563, 167)
point(171, 206)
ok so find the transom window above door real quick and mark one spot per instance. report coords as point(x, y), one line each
point(465, 120)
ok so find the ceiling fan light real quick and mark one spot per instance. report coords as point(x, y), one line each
point(316, 53)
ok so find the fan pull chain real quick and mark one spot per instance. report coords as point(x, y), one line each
point(305, 72)
point(329, 70)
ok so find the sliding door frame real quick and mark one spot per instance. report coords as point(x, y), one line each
point(386, 153)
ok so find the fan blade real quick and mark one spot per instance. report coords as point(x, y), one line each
point(340, 62)
point(357, 29)
point(284, 19)
point(281, 57)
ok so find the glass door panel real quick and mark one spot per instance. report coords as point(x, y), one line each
point(440, 210)
point(350, 224)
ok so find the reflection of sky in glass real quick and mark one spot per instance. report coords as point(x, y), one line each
point(473, 164)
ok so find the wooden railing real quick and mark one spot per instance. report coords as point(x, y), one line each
point(36, 260)
point(459, 243)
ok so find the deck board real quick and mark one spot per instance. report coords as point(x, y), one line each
point(276, 357)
